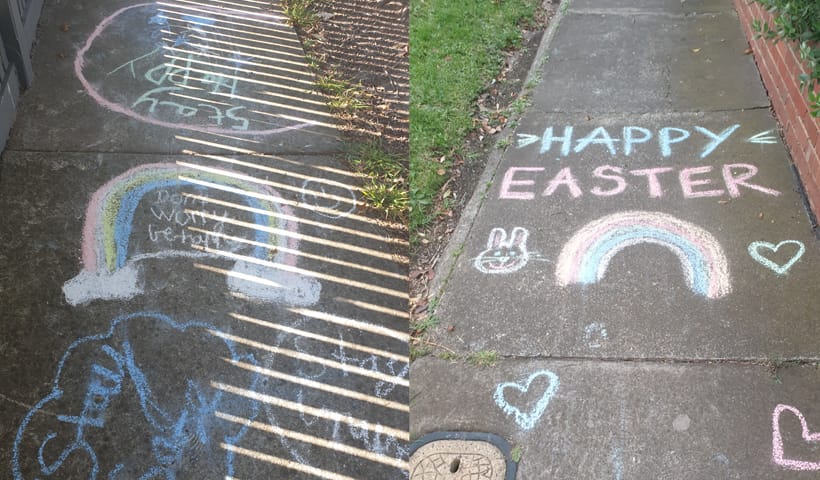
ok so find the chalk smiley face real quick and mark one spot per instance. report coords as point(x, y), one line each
point(504, 255)
point(757, 250)
point(527, 420)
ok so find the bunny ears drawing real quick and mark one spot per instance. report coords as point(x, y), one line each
point(503, 254)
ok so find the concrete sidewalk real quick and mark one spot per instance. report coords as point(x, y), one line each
point(189, 287)
point(642, 263)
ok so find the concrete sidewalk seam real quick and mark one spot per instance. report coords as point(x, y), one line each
point(452, 252)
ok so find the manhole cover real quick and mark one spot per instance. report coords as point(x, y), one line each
point(461, 456)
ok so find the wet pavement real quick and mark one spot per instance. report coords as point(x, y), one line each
point(641, 263)
point(190, 286)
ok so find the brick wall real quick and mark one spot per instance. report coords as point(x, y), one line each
point(779, 66)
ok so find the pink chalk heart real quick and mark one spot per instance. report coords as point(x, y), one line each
point(777, 441)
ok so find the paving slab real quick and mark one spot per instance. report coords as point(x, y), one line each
point(648, 63)
point(578, 251)
point(201, 315)
point(111, 75)
point(653, 7)
point(591, 419)
point(641, 266)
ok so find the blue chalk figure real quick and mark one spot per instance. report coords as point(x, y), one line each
point(159, 429)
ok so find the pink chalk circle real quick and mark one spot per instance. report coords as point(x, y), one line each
point(99, 97)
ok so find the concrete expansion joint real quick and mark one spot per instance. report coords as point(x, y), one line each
point(626, 113)
point(635, 12)
point(750, 361)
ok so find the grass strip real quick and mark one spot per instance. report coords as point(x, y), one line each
point(456, 49)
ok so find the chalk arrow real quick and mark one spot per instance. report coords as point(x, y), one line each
point(763, 137)
point(525, 139)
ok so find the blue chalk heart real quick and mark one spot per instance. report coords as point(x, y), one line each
point(527, 420)
point(754, 251)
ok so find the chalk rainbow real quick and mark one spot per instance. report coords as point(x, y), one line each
point(108, 272)
point(110, 212)
point(586, 256)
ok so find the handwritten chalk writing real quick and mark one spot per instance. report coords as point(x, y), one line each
point(595, 335)
point(778, 456)
point(171, 210)
point(780, 269)
point(521, 183)
point(189, 77)
point(527, 420)
point(393, 367)
point(504, 255)
point(585, 258)
point(763, 138)
point(631, 138)
point(90, 418)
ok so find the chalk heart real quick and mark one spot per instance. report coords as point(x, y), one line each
point(777, 441)
point(527, 420)
point(757, 250)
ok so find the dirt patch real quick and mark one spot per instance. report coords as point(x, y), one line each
point(366, 44)
point(495, 109)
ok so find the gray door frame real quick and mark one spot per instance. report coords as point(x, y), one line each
point(18, 27)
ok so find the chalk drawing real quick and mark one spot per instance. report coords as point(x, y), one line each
point(585, 257)
point(329, 204)
point(631, 138)
point(319, 414)
point(437, 466)
point(185, 82)
point(109, 273)
point(527, 420)
point(504, 255)
point(595, 335)
point(778, 456)
point(755, 252)
point(177, 425)
point(608, 180)
point(616, 457)
point(763, 138)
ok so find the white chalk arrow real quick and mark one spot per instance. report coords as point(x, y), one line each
point(525, 139)
point(763, 137)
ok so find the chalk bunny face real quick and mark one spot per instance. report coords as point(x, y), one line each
point(503, 254)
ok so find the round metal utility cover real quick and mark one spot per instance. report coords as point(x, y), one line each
point(461, 456)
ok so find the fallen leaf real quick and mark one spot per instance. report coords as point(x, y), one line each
point(64, 27)
point(450, 328)
point(696, 50)
point(441, 171)
point(748, 51)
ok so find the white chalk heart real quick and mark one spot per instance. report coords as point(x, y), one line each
point(777, 441)
point(527, 420)
point(754, 251)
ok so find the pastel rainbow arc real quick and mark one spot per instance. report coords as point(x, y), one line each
point(110, 213)
point(586, 256)
point(109, 273)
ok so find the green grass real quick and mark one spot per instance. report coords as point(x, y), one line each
point(386, 186)
point(301, 14)
point(516, 453)
point(484, 358)
point(456, 49)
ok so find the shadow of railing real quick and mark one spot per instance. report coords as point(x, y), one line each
point(282, 349)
